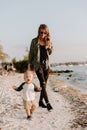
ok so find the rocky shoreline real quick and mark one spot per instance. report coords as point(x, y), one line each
point(78, 107)
point(78, 104)
point(60, 71)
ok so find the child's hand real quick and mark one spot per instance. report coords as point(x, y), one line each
point(14, 87)
point(39, 88)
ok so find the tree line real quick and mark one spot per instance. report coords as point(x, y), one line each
point(20, 65)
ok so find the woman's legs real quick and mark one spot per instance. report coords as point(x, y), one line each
point(42, 75)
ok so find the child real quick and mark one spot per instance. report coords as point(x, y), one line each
point(28, 93)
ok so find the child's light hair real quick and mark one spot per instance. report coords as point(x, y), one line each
point(28, 72)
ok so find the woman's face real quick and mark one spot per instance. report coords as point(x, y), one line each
point(42, 34)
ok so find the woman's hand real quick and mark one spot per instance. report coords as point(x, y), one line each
point(48, 43)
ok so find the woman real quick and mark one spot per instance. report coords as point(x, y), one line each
point(40, 49)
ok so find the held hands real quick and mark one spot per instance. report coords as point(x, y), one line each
point(39, 88)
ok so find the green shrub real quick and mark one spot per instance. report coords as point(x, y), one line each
point(21, 66)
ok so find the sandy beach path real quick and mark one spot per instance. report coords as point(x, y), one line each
point(12, 114)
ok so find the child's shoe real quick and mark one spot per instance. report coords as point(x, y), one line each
point(28, 117)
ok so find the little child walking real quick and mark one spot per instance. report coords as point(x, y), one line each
point(29, 89)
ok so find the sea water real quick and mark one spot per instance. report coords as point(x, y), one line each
point(77, 78)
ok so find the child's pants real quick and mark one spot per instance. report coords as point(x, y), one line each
point(30, 106)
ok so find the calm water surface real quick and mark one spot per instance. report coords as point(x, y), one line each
point(78, 77)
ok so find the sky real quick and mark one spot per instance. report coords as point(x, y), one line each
point(66, 19)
